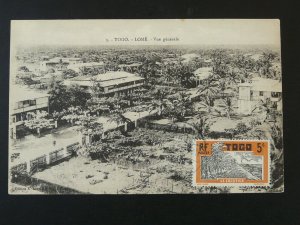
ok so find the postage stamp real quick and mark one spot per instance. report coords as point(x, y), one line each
point(232, 163)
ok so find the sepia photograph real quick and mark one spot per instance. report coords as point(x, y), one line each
point(117, 106)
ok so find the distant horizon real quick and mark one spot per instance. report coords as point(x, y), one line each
point(196, 46)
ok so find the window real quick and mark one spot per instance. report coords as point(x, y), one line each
point(26, 103)
point(32, 102)
point(18, 117)
point(275, 94)
point(261, 93)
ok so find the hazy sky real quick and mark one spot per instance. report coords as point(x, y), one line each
point(96, 32)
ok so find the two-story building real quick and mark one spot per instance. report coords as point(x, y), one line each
point(259, 89)
point(23, 101)
point(112, 83)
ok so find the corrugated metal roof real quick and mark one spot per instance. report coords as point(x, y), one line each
point(106, 79)
point(19, 93)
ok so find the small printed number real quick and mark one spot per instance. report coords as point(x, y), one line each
point(260, 147)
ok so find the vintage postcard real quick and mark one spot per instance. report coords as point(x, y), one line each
point(145, 107)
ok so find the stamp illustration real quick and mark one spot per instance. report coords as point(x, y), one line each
point(231, 163)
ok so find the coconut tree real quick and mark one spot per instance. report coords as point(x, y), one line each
point(207, 104)
point(201, 126)
point(160, 100)
point(187, 77)
point(209, 87)
point(178, 105)
point(265, 106)
point(227, 105)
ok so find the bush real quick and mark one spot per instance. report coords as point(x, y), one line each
point(129, 141)
point(241, 128)
point(176, 176)
point(99, 150)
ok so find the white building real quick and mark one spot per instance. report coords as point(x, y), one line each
point(23, 101)
point(189, 57)
point(202, 74)
point(256, 90)
point(112, 83)
point(57, 63)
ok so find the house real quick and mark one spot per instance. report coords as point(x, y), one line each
point(131, 68)
point(49, 77)
point(207, 62)
point(87, 68)
point(259, 89)
point(202, 73)
point(24, 101)
point(189, 57)
point(111, 83)
point(57, 64)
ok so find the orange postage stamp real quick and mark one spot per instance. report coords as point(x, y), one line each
point(232, 163)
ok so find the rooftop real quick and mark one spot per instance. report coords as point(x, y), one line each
point(190, 56)
point(19, 93)
point(106, 79)
point(130, 65)
point(203, 72)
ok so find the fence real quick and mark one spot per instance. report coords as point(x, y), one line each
point(43, 161)
point(72, 149)
point(56, 155)
point(38, 163)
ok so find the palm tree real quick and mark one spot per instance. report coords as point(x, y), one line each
point(209, 88)
point(160, 102)
point(227, 105)
point(201, 127)
point(187, 78)
point(207, 103)
point(266, 106)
